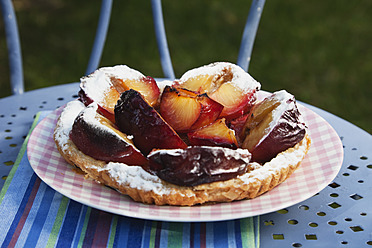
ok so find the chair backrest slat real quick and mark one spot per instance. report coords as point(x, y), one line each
point(14, 47)
point(249, 33)
point(161, 39)
point(100, 38)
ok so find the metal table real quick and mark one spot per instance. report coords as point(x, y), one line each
point(338, 216)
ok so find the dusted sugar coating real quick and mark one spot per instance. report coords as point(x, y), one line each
point(135, 116)
point(97, 137)
point(105, 85)
point(95, 85)
point(273, 125)
point(228, 72)
point(197, 165)
point(66, 120)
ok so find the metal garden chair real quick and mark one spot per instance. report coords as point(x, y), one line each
point(14, 47)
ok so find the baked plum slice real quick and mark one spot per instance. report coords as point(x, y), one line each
point(96, 136)
point(185, 110)
point(199, 164)
point(106, 101)
point(135, 116)
point(237, 125)
point(179, 108)
point(273, 126)
point(145, 85)
point(226, 83)
point(105, 85)
point(215, 134)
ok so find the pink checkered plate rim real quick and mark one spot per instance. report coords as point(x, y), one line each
point(317, 170)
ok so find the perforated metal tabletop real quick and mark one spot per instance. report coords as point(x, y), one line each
point(338, 216)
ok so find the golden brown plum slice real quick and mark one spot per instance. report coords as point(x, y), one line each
point(179, 108)
point(185, 110)
point(226, 83)
point(198, 164)
point(210, 111)
point(236, 101)
point(135, 116)
point(97, 136)
point(145, 85)
point(215, 134)
point(273, 126)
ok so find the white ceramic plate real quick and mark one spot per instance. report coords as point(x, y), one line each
point(318, 169)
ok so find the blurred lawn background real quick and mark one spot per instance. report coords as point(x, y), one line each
point(320, 51)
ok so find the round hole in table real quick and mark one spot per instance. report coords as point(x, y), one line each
point(297, 245)
point(303, 207)
point(9, 163)
point(313, 224)
point(292, 222)
point(282, 211)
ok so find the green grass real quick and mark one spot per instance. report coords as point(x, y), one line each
point(320, 50)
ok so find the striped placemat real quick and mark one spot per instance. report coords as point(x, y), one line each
point(34, 215)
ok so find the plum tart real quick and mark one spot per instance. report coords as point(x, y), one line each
point(202, 138)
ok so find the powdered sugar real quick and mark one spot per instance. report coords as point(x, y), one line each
point(67, 118)
point(131, 175)
point(241, 79)
point(282, 160)
point(97, 84)
point(119, 71)
point(136, 177)
point(163, 83)
point(288, 103)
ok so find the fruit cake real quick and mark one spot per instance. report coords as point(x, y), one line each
point(202, 138)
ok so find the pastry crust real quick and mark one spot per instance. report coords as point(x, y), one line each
point(144, 187)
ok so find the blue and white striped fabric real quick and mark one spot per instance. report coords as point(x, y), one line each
point(34, 215)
